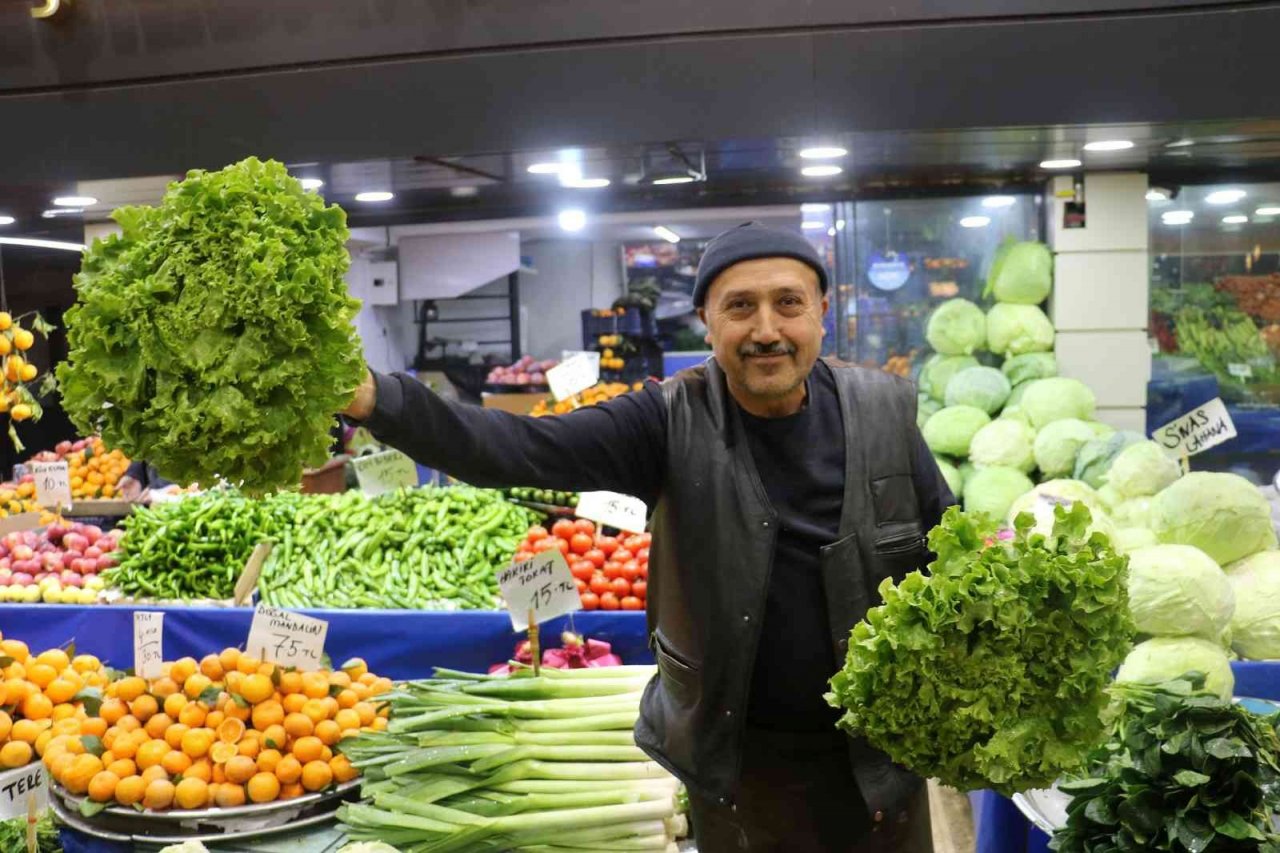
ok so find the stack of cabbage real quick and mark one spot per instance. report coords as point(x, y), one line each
point(990, 427)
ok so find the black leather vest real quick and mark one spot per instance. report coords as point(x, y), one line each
point(712, 554)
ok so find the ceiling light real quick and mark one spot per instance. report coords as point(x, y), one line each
point(1059, 164)
point(820, 171)
point(839, 224)
point(814, 208)
point(1157, 195)
point(666, 233)
point(813, 225)
point(1109, 145)
point(375, 195)
point(7, 220)
point(544, 169)
point(1262, 211)
point(999, 201)
point(62, 211)
point(1181, 143)
point(584, 183)
point(1177, 217)
point(75, 200)
point(41, 244)
point(311, 183)
point(1235, 219)
point(823, 152)
point(975, 222)
point(831, 232)
point(671, 180)
point(1225, 196)
point(572, 220)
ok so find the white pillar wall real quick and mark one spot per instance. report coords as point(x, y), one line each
point(1100, 295)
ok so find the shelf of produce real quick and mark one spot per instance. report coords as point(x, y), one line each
point(396, 643)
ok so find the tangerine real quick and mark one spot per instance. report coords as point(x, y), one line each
point(264, 788)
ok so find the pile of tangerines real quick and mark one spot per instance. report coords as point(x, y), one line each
point(221, 732)
point(38, 692)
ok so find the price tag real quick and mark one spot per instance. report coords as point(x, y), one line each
point(621, 511)
point(1195, 432)
point(17, 785)
point(290, 639)
point(148, 643)
point(576, 373)
point(53, 484)
point(1240, 370)
point(384, 472)
point(542, 585)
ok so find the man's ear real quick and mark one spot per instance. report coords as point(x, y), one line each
point(702, 315)
point(826, 306)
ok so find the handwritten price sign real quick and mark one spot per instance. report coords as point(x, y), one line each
point(621, 511)
point(16, 786)
point(379, 473)
point(543, 585)
point(53, 484)
point(1195, 432)
point(576, 373)
point(148, 643)
point(289, 639)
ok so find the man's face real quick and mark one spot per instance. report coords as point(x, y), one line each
point(764, 322)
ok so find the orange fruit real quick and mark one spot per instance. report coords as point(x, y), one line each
point(174, 703)
point(130, 688)
point(175, 762)
point(235, 711)
point(367, 713)
point(267, 714)
point(191, 793)
point(129, 790)
point(355, 668)
point(196, 742)
point(256, 688)
point(367, 678)
point(339, 678)
point(342, 769)
point(289, 769)
point(153, 773)
point(275, 737)
point(247, 664)
point(112, 710)
point(123, 768)
point(182, 669)
point(66, 727)
point(219, 775)
point(193, 714)
point(316, 710)
point(223, 752)
point(95, 726)
point(173, 735)
point(164, 687)
point(196, 684)
point(229, 796)
point(63, 711)
point(61, 690)
point(211, 667)
point(380, 724)
point(144, 707)
point(264, 788)
point(58, 764)
point(85, 663)
point(77, 776)
point(294, 703)
point(292, 791)
point(201, 769)
point(15, 753)
point(214, 719)
point(347, 698)
point(326, 754)
point(129, 723)
point(55, 658)
point(157, 724)
point(122, 745)
point(37, 707)
point(240, 769)
point(268, 760)
point(298, 725)
point(159, 794)
point(329, 732)
point(233, 680)
point(15, 649)
point(290, 682)
point(229, 658)
point(102, 787)
point(41, 675)
point(6, 724)
point(151, 753)
point(347, 718)
point(316, 775)
point(250, 747)
point(26, 731)
point(315, 685)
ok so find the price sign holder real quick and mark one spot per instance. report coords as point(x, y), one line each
point(1204, 427)
point(23, 790)
point(384, 472)
point(621, 511)
point(290, 639)
point(148, 643)
point(53, 485)
point(576, 373)
point(538, 589)
point(252, 571)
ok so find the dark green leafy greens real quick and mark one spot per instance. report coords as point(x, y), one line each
point(213, 337)
point(13, 835)
point(1184, 771)
point(990, 672)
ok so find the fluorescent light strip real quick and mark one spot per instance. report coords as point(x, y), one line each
point(7, 220)
point(821, 171)
point(1262, 211)
point(1067, 163)
point(666, 233)
point(41, 244)
point(975, 222)
point(75, 201)
point(375, 195)
point(671, 181)
point(996, 201)
point(1225, 196)
point(823, 152)
point(1109, 145)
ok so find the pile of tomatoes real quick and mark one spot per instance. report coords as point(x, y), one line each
point(612, 572)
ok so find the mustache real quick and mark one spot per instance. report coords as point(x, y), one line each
point(779, 348)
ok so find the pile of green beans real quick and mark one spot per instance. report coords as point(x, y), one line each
point(427, 548)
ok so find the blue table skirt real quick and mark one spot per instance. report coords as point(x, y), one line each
point(395, 643)
point(1001, 828)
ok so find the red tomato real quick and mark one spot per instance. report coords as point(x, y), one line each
point(557, 542)
point(582, 569)
point(644, 571)
point(632, 603)
point(521, 556)
point(599, 584)
point(584, 526)
point(634, 543)
point(581, 585)
point(640, 589)
point(609, 601)
point(607, 544)
point(630, 570)
point(622, 555)
point(590, 601)
point(537, 532)
point(596, 556)
point(620, 587)
point(642, 556)
point(544, 544)
point(564, 529)
point(581, 543)
point(612, 569)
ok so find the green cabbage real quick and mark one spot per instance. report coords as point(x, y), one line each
point(952, 475)
point(1135, 512)
point(967, 470)
point(1129, 539)
point(1030, 366)
point(1223, 515)
point(939, 369)
point(950, 431)
point(982, 387)
point(1095, 456)
point(213, 337)
point(1176, 590)
point(1004, 442)
point(1022, 274)
point(1041, 500)
point(1165, 658)
point(1017, 329)
point(957, 327)
point(926, 407)
point(1049, 400)
point(1058, 444)
point(1142, 469)
point(1255, 626)
point(993, 490)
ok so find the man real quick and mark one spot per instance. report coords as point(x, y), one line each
point(784, 490)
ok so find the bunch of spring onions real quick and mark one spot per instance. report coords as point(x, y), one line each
point(531, 763)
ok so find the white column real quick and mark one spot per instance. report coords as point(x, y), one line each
point(1100, 299)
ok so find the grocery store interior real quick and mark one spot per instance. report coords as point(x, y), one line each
point(222, 604)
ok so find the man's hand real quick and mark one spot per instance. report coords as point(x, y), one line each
point(361, 407)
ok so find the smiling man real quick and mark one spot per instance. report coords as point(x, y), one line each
point(784, 488)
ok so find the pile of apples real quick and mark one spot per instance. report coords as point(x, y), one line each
point(58, 565)
point(526, 371)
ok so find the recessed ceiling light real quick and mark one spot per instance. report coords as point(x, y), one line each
point(545, 169)
point(1177, 217)
point(666, 233)
point(813, 225)
point(1225, 196)
point(1060, 164)
point(671, 180)
point(41, 244)
point(823, 152)
point(1154, 194)
point(311, 183)
point(993, 201)
point(572, 220)
point(1181, 143)
point(7, 220)
point(584, 183)
point(75, 200)
point(1109, 145)
point(820, 171)
point(1235, 219)
point(975, 222)
point(1262, 211)
point(375, 195)
point(814, 208)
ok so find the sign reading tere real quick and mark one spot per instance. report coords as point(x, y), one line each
point(17, 785)
point(542, 585)
point(289, 639)
point(1204, 427)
